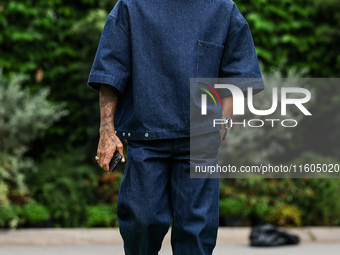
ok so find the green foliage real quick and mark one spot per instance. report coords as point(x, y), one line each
point(53, 44)
point(3, 193)
point(12, 215)
point(233, 207)
point(108, 187)
point(322, 208)
point(8, 216)
point(260, 206)
point(12, 178)
point(285, 214)
point(307, 202)
point(102, 215)
point(24, 116)
point(269, 200)
point(65, 186)
point(35, 212)
point(300, 34)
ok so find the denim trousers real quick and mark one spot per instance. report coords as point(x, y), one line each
point(157, 191)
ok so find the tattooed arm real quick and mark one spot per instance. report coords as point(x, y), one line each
point(108, 142)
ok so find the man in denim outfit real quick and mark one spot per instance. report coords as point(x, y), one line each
point(148, 51)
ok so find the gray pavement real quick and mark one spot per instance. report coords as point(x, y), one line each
point(221, 249)
point(108, 241)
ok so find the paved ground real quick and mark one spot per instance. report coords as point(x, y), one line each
point(234, 241)
point(221, 249)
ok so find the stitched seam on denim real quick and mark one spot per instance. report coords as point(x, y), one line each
point(177, 197)
point(104, 75)
point(198, 58)
point(211, 45)
point(126, 34)
point(112, 77)
point(236, 30)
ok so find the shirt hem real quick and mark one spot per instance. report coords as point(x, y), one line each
point(95, 80)
point(151, 135)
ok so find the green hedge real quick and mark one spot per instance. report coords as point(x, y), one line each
point(53, 43)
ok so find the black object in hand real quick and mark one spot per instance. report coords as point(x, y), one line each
point(114, 161)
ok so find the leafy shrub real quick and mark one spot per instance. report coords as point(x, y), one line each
point(102, 215)
point(8, 216)
point(264, 198)
point(260, 207)
point(24, 116)
point(301, 34)
point(4, 201)
point(12, 178)
point(31, 214)
point(284, 214)
point(322, 205)
point(108, 186)
point(233, 207)
point(307, 202)
point(65, 185)
point(35, 212)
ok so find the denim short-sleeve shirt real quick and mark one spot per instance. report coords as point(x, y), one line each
point(149, 50)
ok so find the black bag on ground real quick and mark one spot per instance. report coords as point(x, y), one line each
point(269, 235)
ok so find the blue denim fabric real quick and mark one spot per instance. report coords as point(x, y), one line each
point(157, 188)
point(149, 50)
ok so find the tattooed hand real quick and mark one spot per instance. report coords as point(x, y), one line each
point(108, 142)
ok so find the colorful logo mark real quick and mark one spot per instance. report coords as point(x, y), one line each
point(204, 86)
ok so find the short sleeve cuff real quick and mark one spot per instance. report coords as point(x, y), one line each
point(95, 80)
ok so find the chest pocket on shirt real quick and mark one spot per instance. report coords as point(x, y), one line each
point(208, 59)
